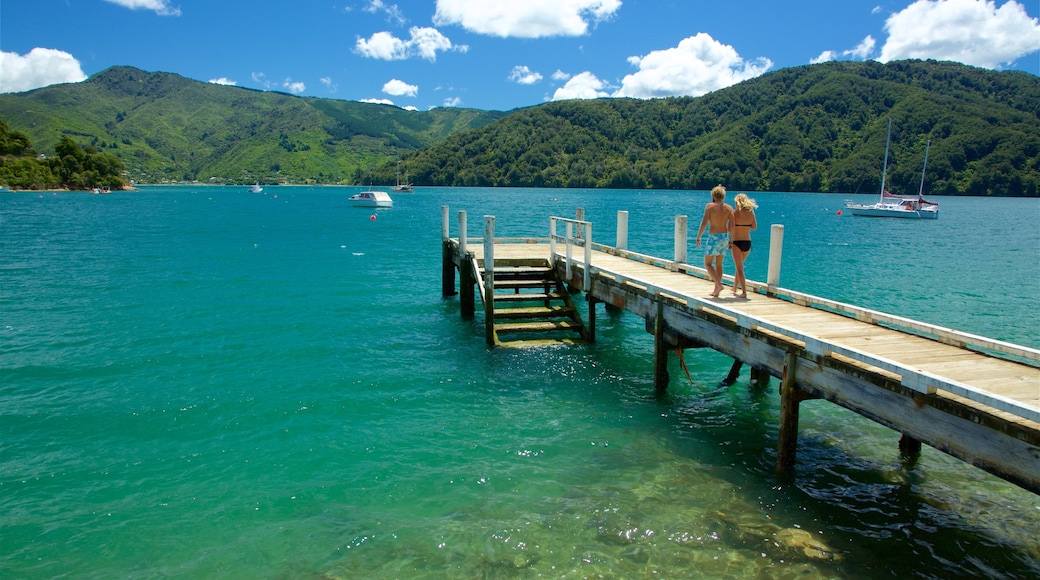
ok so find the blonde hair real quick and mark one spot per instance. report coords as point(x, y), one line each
point(743, 202)
point(718, 193)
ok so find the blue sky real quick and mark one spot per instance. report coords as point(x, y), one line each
point(497, 54)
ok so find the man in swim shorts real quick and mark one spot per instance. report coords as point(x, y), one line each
point(718, 219)
point(716, 244)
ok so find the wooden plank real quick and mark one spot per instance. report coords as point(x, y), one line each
point(546, 326)
point(534, 312)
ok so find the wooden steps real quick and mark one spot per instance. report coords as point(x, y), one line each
point(531, 307)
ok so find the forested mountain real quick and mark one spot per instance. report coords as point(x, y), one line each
point(818, 128)
point(166, 127)
point(812, 128)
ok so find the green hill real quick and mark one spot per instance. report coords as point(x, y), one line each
point(818, 128)
point(165, 127)
point(811, 128)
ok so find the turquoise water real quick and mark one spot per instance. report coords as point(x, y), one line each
point(199, 382)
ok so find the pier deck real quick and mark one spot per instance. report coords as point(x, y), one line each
point(974, 398)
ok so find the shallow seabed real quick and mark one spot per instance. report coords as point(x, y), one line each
point(200, 382)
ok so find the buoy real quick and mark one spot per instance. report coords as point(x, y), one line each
point(372, 217)
point(839, 212)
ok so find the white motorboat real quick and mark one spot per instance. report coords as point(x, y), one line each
point(892, 205)
point(372, 198)
point(256, 188)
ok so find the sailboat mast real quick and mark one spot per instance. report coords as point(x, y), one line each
point(920, 192)
point(884, 168)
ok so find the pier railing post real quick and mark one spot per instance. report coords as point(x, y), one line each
point(444, 223)
point(681, 226)
point(622, 230)
point(489, 279)
point(587, 279)
point(462, 233)
point(776, 250)
point(552, 240)
point(569, 229)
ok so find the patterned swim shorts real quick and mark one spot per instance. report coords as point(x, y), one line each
point(716, 244)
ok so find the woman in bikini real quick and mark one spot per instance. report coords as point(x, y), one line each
point(743, 222)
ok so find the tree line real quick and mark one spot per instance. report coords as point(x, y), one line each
point(71, 167)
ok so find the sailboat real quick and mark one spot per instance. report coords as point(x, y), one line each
point(401, 187)
point(892, 205)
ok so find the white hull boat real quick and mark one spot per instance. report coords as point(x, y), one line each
point(372, 199)
point(897, 206)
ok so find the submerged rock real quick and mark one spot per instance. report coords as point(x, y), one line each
point(802, 543)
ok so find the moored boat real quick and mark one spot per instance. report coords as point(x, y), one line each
point(401, 187)
point(898, 206)
point(372, 198)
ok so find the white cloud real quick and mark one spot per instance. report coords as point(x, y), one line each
point(411, 108)
point(452, 102)
point(522, 75)
point(825, 56)
point(527, 19)
point(861, 51)
point(399, 88)
point(424, 42)
point(378, 101)
point(160, 7)
point(559, 75)
point(699, 65)
point(582, 86)
point(393, 13)
point(973, 32)
point(295, 88)
point(261, 79)
point(327, 81)
point(40, 68)
point(223, 81)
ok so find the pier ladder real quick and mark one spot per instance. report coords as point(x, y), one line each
point(531, 306)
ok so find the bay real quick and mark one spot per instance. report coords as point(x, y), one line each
point(201, 382)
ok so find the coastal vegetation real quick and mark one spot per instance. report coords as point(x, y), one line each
point(816, 128)
point(71, 166)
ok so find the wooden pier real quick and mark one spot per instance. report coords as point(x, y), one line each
point(974, 398)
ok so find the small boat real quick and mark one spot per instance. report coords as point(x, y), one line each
point(372, 198)
point(101, 190)
point(256, 188)
point(892, 205)
point(401, 187)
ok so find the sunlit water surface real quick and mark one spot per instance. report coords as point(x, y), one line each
point(202, 382)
